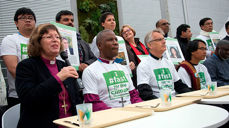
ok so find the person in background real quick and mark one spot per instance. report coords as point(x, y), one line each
point(107, 83)
point(183, 36)
point(218, 64)
point(134, 48)
point(107, 21)
point(191, 72)
point(206, 25)
point(227, 30)
point(14, 48)
point(85, 54)
point(155, 72)
point(163, 24)
point(46, 87)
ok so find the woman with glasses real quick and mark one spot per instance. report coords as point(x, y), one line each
point(134, 48)
point(46, 87)
point(191, 72)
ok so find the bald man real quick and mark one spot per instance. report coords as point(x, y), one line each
point(108, 84)
point(163, 24)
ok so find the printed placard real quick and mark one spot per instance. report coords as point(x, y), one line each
point(70, 43)
point(173, 51)
point(122, 56)
point(116, 84)
point(214, 36)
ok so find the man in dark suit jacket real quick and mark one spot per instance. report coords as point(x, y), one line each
point(227, 30)
point(85, 54)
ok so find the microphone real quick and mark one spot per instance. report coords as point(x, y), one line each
point(64, 56)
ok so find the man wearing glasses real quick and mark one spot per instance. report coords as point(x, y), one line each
point(155, 72)
point(206, 25)
point(163, 24)
point(14, 48)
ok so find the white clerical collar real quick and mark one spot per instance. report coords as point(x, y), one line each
point(105, 61)
point(51, 62)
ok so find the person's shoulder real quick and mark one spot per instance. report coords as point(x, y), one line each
point(93, 66)
point(10, 37)
point(119, 37)
point(29, 61)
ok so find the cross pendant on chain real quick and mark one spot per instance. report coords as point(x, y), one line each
point(65, 107)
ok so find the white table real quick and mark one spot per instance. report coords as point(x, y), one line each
point(220, 100)
point(190, 116)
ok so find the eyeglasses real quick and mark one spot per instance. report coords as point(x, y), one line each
point(49, 37)
point(24, 18)
point(165, 24)
point(202, 49)
point(128, 30)
point(157, 40)
point(211, 23)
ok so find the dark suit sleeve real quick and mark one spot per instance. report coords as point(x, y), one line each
point(30, 89)
point(146, 92)
point(87, 51)
point(180, 87)
point(89, 56)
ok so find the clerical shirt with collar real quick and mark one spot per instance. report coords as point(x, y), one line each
point(63, 95)
point(106, 82)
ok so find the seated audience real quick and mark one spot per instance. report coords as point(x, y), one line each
point(107, 83)
point(191, 72)
point(218, 64)
point(134, 48)
point(46, 87)
point(155, 72)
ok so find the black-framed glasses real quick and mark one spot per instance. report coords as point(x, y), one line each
point(157, 40)
point(211, 23)
point(202, 49)
point(24, 18)
point(165, 24)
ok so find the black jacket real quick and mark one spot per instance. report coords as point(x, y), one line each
point(38, 93)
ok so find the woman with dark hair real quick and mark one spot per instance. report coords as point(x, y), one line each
point(174, 53)
point(134, 48)
point(191, 72)
point(46, 86)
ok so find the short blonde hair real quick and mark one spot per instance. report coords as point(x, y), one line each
point(129, 28)
point(34, 46)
